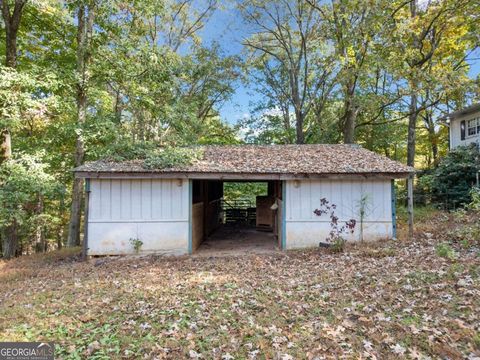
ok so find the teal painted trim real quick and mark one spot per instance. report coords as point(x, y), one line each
point(394, 210)
point(284, 215)
point(87, 185)
point(190, 246)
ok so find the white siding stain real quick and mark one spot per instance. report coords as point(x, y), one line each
point(151, 210)
point(305, 229)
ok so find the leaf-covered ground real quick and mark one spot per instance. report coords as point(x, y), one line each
point(393, 300)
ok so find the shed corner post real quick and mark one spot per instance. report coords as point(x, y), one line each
point(190, 194)
point(284, 215)
point(86, 220)
point(394, 211)
point(410, 205)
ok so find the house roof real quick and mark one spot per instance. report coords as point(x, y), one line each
point(274, 160)
point(465, 111)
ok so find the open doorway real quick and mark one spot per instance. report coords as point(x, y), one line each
point(235, 216)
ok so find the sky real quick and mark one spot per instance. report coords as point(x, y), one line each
point(227, 28)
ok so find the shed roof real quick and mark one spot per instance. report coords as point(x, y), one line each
point(261, 160)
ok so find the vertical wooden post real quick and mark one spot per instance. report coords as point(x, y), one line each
point(206, 220)
point(410, 205)
point(394, 211)
point(85, 220)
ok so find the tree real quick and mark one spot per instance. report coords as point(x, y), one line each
point(352, 26)
point(11, 20)
point(20, 102)
point(426, 35)
point(22, 182)
point(85, 18)
point(291, 56)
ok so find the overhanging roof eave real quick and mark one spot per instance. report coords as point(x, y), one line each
point(235, 176)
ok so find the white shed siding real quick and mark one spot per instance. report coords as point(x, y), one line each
point(305, 229)
point(455, 133)
point(155, 211)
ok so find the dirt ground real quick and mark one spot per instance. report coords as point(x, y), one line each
point(416, 299)
point(238, 240)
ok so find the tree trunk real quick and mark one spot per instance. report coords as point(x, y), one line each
point(432, 137)
point(75, 214)
point(350, 113)
point(412, 125)
point(10, 241)
point(61, 228)
point(5, 146)
point(299, 128)
point(85, 26)
point(12, 23)
point(349, 122)
point(11, 53)
point(40, 244)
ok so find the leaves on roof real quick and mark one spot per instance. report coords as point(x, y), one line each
point(264, 159)
point(172, 157)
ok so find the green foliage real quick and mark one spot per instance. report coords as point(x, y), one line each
point(452, 181)
point(24, 182)
point(127, 150)
point(244, 191)
point(172, 157)
point(445, 250)
point(137, 244)
point(21, 181)
point(475, 196)
point(363, 211)
point(421, 213)
point(25, 96)
point(338, 245)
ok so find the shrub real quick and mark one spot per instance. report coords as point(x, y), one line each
point(450, 183)
point(444, 250)
point(338, 245)
point(137, 244)
point(127, 150)
point(475, 202)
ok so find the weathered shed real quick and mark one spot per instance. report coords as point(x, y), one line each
point(173, 210)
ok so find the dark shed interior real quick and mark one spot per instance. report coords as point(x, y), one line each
point(217, 223)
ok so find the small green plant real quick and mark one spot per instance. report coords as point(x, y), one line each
point(444, 250)
point(363, 208)
point(337, 245)
point(476, 340)
point(170, 157)
point(475, 195)
point(137, 244)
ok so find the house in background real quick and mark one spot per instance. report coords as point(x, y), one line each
point(464, 126)
point(175, 210)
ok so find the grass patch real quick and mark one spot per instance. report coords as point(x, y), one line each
point(446, 251)
point(420, 213)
